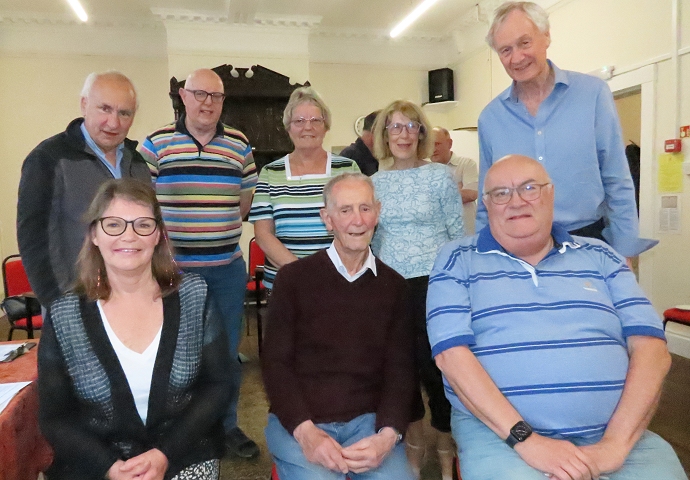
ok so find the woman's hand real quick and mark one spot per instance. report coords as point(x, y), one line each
point(264, 231)
point(150, 465)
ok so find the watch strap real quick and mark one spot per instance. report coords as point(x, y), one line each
point(398, 435)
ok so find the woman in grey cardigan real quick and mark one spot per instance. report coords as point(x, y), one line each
point(133, 366)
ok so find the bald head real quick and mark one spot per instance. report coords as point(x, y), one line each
point(202, 110)
point(442, 145)
point(204, 78)
point(519, 197)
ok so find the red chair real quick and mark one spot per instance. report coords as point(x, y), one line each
point(20, 304)
point(677, 315)
point(257, 258)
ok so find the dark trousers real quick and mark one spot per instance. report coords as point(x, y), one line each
point(430, 375)
point(593, 230)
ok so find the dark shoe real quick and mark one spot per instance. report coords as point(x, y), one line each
point(240, 445)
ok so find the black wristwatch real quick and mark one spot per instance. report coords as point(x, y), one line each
point(519, 433)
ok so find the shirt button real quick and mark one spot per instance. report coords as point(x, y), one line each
point(539, 132)
point(541, 158)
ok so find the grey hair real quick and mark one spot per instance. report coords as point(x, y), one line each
point(534, 12)
point(328, 189)
point(444, 131)
point(306, 95)
point(111, 75)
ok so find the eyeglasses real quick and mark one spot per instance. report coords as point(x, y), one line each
point(301, 122)
point(397, 128)
point(200, 95)
point(528, 192)
point(114, 226)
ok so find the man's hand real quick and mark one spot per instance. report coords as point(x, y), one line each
point(369, 452)
point(608, 455)
point(629, 262)
point(557, 458)
point(318, 447)
point(150, 465)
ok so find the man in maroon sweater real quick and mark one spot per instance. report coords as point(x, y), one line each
point(338, 356)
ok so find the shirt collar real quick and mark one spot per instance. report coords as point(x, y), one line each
point(560, 77)
point(369, 263)
point(486, 243)
point(181, 127)
point(101, 155)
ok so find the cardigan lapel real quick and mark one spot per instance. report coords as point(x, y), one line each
point(98, 338)
point(164, 358)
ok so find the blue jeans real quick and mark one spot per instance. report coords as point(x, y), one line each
point(485, 456)
point(293, 465)
point(227, 285)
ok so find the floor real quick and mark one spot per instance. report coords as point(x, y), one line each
point(671, 421)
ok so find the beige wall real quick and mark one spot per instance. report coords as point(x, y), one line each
point(351, 91)
point(41, 96)
point(628, 107)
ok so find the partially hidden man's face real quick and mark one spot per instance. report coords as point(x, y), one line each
point(521, 47)
point(519, 224)
point(352, 215)
point(109, 112)
point(442, 146)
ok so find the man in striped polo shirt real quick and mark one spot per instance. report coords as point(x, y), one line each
point(552, 356)
point(205, 176)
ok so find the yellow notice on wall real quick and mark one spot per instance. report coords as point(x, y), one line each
point(670, 173)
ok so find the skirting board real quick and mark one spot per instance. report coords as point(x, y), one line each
point(678, 338)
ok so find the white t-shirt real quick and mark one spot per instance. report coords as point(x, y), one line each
point(465, 170)
point(138, 367)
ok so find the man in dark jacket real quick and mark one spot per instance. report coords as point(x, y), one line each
point(360, 150)
point(61, 175)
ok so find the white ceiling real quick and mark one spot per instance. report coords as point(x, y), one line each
point(374, 15)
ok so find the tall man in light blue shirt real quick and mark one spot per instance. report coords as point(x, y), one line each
point(568, 122)
point(61, 175)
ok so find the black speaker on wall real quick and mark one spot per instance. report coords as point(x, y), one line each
point(441, 87)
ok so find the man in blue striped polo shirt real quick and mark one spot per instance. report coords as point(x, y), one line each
point(553, 358)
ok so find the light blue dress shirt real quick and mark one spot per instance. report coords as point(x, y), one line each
point(117, 169)
point(576, 136)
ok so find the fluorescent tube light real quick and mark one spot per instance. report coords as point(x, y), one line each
point(78, 9)
point(416, 13)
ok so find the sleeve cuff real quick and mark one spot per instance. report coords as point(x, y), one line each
point(643, 330)
point(629, 247)
point(462, 340)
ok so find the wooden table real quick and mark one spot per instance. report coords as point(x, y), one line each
point(23, 450)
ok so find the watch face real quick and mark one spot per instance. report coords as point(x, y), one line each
point(521, 431)
point(359, 125)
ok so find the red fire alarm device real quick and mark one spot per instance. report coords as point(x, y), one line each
point(672, 146)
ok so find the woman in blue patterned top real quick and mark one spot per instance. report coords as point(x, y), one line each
point(133, 367)
point(421, 210)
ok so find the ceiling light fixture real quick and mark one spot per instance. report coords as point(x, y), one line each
point(78, 9)
point(408, 20)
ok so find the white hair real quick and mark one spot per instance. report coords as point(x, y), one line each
point(534, 12)
point(110, 74)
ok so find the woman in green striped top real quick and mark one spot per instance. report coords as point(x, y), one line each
point(288, 197)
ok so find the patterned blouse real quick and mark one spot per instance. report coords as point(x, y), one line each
point(421, 210)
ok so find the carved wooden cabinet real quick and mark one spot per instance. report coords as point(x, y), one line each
point(255, 99)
